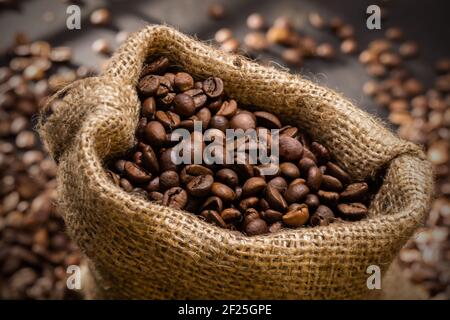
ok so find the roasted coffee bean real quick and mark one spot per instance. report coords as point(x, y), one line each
point(314, 178)
point(157, 66)
point(165, 161)
point(352, 211)
point(200, 186)
point(219, 122)
point(243, 120)
point(289, 131)
point(296, 192)
point(164, 86)
point(126, 185)
point(156, 197)
point(248, 203)
point(183, 81)
point(135, 173)
point(230, 214)
point(330, 183)
point(166, 100)
point(155, 134)
point(275, 199)
point(298, 217)
point(328, 197)
point(289, 170)
point(308, 154)
point(204, 115)
point(228, 109)
point(256, 227)
point(275, 227)
point(305, 164)
point(253, 186)
point(168, 180)
point(272, 216)
point(149, 107)
point(322, 217)
point(290, 149)
point(184, 105)
point(312, 201)
point(228, 176)
point(175, 198)
point(322, 154)
point(213, 87)
point(215, 105)
point(119, 166)
point(149, 159)
point(170, 120)
point(153, 185)
point(354, 192)
point(198, 96)
point(279, 183)
point(213, 203)
point(268, 120)
point(149, 85)
point(215, 218)
point(223, 192)
point(337, 172)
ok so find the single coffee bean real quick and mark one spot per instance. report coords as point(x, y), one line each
point(248, 203)
point(153, 185)
point(243, 120)
point(337, 172)
point(149, 107)
point(168, 180)
point(352, 211)
point(305, 164)
point(198, 96)
point(277, 226)
point(275, 199)
point(213, 87)
point(213, 203)
point(230, 214)
point(295, 206)
point(184, 105)
point(183, 81)
point(263, 170)
point(289, 170)
point(279, 183)
point(330, 183)
point(175, 197)
point(328, 197)
point(290, 149)
point(204, 115)
point(156, 197)
point(228, 109)
point(267, 120)
point(215, 218)
point(289, 131)
point(312, 201)
point(157, 66)
point(165, 160)
point(223, 192)
point(228, 176)
point(253, 186)
point(149, 159)
point(308, 154)
point(322, 154)
point(354, 192)
point(171, 77)
point(272, 216)
point(136, 174)
point(219, 122)
point(166, 100)
point(263, 204)
point(256, 227)
point(170, 120)
point(296, 192)
point(155, 134)
point(322, 217)
point(148, 85)
point(215, 105)
point(298, 180)
point(314, 178)
point(141, 127)
point(119, 166)
point(200, 185)
point(297, 218)
point(197, 170)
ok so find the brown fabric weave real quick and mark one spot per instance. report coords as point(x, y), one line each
point(141, 250)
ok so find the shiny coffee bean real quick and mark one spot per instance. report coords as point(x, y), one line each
point(312, 201)
point(272, 216)
point(213, 87)
point(157, 66)
point(155, 134)
point(231, 214)
point(175, 198)
point(170, 120)
point(296, 192)
point(275, 199)
point(256, 227)
point(289, 170)
point(228, 109)
point(322, 154)
point(279, 183)
point(337, 172)
point(253, 186)
point(228, 177)
point(183, 81)
point(328, 197)
point(267, 120)
point(200, 186)
point(243, 120)
point(223, 192)
point(247, 203)
point(352, 211)
point(322, 217)
point(314, 178)
point(198, 96)
point(136, 174)
point(148, 85)
point(149, 107)
point(219, 122)
point(168, 180)
point(354, 192)
point(184, 105)
point(290, 149)
point(330, 183)
point(297, 217)
point(213, 203)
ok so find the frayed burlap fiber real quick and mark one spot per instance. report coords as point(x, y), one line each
point(138, 249)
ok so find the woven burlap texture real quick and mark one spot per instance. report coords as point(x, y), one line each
point(142, 250)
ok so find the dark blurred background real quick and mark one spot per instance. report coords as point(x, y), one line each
point(34, 250)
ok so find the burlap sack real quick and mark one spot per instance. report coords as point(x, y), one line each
point(142, 250)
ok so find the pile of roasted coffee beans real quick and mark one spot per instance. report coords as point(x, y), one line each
point(34, 249)
point(306, 188)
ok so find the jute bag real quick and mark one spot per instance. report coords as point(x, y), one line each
point(138, 249)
